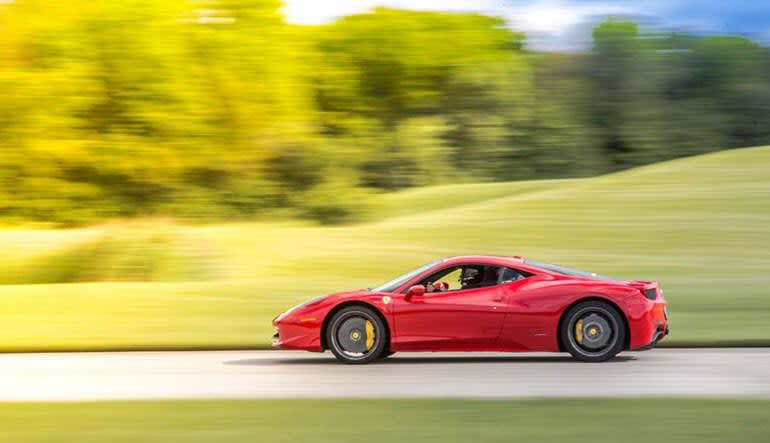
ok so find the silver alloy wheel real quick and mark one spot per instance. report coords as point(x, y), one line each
point(592, 331)
point(355, 335)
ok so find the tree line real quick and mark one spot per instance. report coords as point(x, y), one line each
point(222, 110)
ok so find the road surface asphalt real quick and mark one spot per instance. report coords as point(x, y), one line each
point(738, 372)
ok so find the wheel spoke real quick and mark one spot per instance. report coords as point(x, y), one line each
point(596, 331)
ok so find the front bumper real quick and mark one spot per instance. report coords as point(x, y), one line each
point(304, 336)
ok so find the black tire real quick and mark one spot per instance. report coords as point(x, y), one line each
point(347, 335)
point(600, 337)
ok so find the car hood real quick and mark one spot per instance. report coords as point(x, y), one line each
point(344, 295)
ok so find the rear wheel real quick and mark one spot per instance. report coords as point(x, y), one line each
point(593, 331)
point(356, 335)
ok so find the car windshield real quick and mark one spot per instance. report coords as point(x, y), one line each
point(566, 271)
point(398, 281)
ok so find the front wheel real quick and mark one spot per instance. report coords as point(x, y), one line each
point(356, 335)
point(593, 331)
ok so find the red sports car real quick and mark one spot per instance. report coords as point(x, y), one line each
point(481, 303)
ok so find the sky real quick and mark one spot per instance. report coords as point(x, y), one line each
point(566, 24)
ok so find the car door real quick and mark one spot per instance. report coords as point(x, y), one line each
point(460, 320)
point(532, 307)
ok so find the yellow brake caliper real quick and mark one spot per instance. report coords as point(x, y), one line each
point(369, 335)
point(579, 331)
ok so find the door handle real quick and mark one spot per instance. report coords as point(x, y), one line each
point(497, 300)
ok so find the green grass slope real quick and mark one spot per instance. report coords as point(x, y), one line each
point(700, 226)
point(431, 198)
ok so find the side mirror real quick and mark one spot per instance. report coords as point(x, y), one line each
point(415, 291)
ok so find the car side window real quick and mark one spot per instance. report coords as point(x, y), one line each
point(462, 277)
point(452, 279)
point(509, 274)
point(445, 275)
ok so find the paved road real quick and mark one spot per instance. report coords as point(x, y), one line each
point(255, 374)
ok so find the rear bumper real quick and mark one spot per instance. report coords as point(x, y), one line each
point(648, 324)
point(660, 333)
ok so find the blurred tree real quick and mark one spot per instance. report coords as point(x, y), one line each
point(563, 143)
point(379, 70)
point(610, 67)
point(219, 109)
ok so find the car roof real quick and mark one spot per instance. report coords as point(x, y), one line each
point(497, 259)
point(514, 261)
point(522, 264)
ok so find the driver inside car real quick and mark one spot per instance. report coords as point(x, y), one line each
point(470, 278)
point(438, 286)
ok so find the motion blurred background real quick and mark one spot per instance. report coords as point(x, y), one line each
point(173, 174)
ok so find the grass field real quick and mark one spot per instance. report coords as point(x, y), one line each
point(446, 421)
point(700, 226)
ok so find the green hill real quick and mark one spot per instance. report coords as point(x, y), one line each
point(700, 226)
